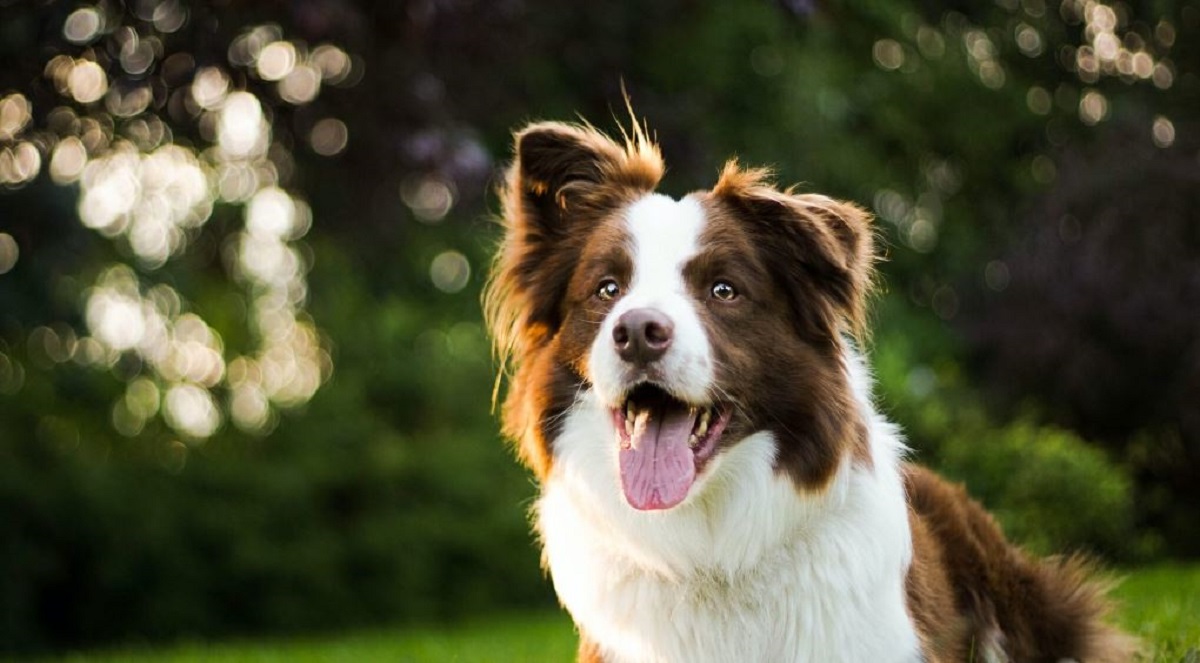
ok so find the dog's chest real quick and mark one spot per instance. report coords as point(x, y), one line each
point(800, 602)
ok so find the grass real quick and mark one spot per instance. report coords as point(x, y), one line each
point(532, 638)
point(1160, 604)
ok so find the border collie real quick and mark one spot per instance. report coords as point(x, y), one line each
point(716, 484)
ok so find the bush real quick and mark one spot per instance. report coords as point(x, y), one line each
point(390, 498)
point(1049, 489)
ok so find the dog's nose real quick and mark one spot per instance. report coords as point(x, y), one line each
point(642, 335)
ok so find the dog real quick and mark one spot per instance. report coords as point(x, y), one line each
point(686, 383)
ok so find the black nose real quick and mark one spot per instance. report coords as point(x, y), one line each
point(642, 335)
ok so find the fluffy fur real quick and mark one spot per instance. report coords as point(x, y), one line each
point(802, 535)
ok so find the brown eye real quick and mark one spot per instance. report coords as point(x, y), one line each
point(723, 291)
point(608, 290)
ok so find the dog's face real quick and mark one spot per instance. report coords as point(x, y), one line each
point(694, 323)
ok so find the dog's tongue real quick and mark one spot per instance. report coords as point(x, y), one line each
point(658, 467)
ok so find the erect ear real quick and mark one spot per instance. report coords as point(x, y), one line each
point(821, 248)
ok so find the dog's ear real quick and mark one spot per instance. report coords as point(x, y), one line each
point(564, 181)
point(821, 249)
point(550, 156)
point(563, 172)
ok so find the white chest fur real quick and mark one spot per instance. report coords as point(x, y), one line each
point(745, 569)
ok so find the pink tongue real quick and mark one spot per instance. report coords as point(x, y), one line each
point(658, 468)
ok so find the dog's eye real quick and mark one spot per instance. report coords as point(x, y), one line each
point(723, 291)
point(608, 290)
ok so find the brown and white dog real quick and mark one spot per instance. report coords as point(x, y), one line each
point(716, 484)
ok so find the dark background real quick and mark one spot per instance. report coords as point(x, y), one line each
point(1034, 168)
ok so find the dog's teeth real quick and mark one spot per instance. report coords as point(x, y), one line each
point(693, 441)
point(703, 427)
point(629, 426)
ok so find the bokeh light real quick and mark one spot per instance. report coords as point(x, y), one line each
point(191, 411)
point(430, 198)
point(87, 82)
point(209, 87)
point(9, 253)
point(1039, 100)
point(1029, 40)
point(153, 196)
point(922, 235)
point(1163, 131)
point(276, 60)
point(270, 214)
point(19, 164)
point(68, 160)
point(137, 53)
point(1112, 48)
point(301, 85)
point(888, 54)
point(152, 199)
point(83, 25)
point(333, 63)
point(15, 114)
point(182, 351)
point(450, 271)
point(116, 314)
point(249, 407)
point(329, 137)
point(1093, 107)
point(242, 129)
point(930, 42)
point(982, 58)
point(167, 16)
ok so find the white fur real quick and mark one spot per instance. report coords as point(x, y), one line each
point(665, 233)
point(747, 568)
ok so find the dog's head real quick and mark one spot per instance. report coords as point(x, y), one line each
point(695, 322)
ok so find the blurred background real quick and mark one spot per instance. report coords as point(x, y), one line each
point(244, 383)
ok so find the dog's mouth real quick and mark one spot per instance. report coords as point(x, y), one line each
point(664, 444)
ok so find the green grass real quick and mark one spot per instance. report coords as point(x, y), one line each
point(1160, 604)
point(533, 638)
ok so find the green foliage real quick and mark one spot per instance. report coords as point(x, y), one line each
point(285, 538)
point(1050, 490)
point(390, 499)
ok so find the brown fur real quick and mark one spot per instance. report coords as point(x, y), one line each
point(803, 266)
point(969, 589)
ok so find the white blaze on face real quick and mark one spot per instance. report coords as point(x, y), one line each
point(665, 234)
